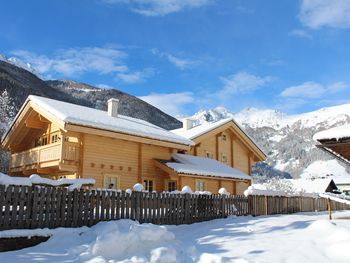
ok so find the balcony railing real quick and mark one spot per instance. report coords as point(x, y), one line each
point(58, 151)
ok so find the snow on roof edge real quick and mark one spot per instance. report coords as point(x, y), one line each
point(337, 133)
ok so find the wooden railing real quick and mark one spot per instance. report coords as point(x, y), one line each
point(51, 152)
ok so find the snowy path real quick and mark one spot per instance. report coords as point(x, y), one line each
point(305, 237)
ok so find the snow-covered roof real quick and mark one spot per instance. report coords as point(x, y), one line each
point(311, 186)
point(206, 127)
point(337, 133)
point(201, 129)
point(188, 164)
point(89, 117)
point(338, 180)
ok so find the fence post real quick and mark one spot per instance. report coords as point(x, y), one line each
point(329, 209)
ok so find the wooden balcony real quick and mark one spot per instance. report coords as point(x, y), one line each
point(54, 157)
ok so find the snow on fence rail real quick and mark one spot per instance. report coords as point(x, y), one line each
point(50, 207)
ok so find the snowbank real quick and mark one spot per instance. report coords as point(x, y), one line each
point(302, 237)
point(36, 179)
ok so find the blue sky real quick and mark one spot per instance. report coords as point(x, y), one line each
point(187, 55)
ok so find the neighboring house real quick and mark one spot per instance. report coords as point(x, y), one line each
point(226, 142)
point(63, 140)
point(343, 184)
point(335, 141)
point(319, 185)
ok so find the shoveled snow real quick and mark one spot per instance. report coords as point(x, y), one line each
point(302, 237)
point(337, 133)
point(188, 164)
point(36, 179)
point(186, 190)
point(223, 191)
point(138, 187)
point(84, 116)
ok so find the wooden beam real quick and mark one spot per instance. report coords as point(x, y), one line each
point(43, 119)
point(139, 163)
point(165, 168)
point(81, 154)
point(35, 124)
point(217, 146)
point(127, 137)
point(232, 142)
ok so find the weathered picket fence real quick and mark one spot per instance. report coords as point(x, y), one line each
point(39, 207)
point(270, 205)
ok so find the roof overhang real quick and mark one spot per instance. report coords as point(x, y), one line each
point(161, 165)
point(30, 106)
point(337, 148)
point(237, 131)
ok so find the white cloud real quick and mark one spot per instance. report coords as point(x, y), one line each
point(159, 7)
point(300, 33)
point(181, 63)
point(171, 103)
point(242, 82)
point(325, 13)
point(77, 61)
point(313, 90)
point(73, 61)
point(136, 76)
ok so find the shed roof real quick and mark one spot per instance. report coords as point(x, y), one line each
point(194, 165)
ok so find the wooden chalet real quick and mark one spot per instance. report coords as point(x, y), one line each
point(335, 141)
point(226, 142)
point(62, 140)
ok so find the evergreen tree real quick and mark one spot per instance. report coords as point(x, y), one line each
point(7, 113)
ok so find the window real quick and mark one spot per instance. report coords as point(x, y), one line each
point(111, 181)
point(209, 155)
point(224, 158)
point(41, 141)
point(172, 186)
point(148, 184)
point(200, 185)
point(224, 137)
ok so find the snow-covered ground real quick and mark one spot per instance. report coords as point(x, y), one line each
point(305, 237)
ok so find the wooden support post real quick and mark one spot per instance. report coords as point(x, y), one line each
point(329, 209)
point(217, 146)
point(139, 166)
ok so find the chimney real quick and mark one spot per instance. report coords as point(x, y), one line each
point(187, 124)
point(113, 107)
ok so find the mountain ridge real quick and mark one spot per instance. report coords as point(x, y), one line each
point(287, 139)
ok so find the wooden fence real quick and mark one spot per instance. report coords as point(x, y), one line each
point(39, 207)
point(270, 205)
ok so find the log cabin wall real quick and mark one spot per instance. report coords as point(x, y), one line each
point(227, 149)
point(129, 161)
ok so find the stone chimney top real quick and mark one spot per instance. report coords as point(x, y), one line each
point(187, 123)
point(113, 107)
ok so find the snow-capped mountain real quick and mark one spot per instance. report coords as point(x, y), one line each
point(287, 139)
point(19, 63)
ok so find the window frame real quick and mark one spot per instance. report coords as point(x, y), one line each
point(202, 185)
point(147, 185)
point(114, 176)
point(168, 185)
